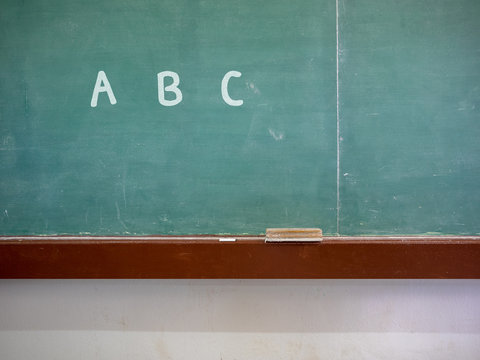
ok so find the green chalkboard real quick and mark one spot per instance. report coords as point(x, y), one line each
point(139, 167)
point(194, 117)
point(410, 117)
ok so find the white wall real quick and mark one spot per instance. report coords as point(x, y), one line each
point(239, 319)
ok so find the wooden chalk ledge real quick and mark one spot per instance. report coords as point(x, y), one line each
point(194, 257)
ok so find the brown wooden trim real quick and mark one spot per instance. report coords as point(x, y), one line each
point(170, 257)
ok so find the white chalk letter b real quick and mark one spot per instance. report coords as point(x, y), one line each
point(226, 97)
point(102, 85)
point(172, 88)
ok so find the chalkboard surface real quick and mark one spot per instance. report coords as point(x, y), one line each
point(193, 117)
point(410, 117)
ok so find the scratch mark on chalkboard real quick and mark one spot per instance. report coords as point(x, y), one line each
point(463, 105)
point(123, 189)
point(277, 136)
point(119, 218)
point(26, 101)
point(252, 86)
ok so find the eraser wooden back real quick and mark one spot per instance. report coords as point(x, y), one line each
point(293, 235)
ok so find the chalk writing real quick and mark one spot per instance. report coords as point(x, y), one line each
point(103, 85)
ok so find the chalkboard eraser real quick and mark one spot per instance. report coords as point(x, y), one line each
point(294, 235)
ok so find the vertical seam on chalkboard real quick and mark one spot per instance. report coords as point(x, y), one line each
point(338, 117)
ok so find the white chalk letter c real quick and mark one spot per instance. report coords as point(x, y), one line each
point(226, 97)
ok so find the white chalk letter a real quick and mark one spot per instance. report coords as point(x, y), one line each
point(172, 88)
point(102, 85)
point(225, 95)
